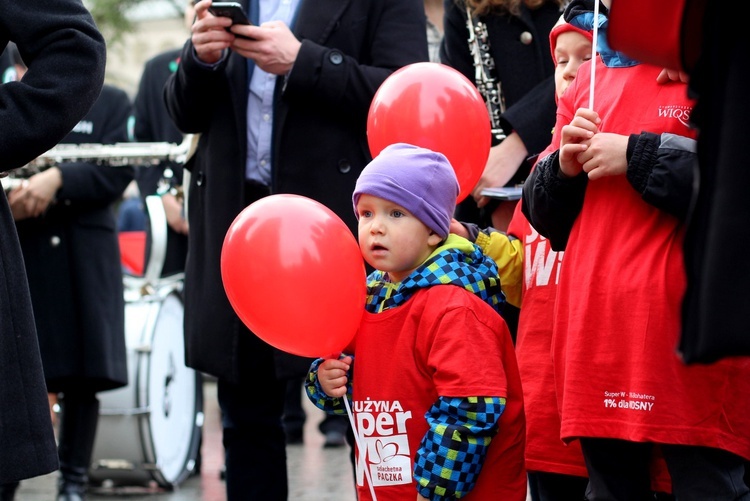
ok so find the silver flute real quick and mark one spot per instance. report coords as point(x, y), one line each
point(113, 155)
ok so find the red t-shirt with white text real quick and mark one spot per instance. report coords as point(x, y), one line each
point(444, 341)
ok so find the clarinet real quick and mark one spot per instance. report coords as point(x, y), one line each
point(484, 67)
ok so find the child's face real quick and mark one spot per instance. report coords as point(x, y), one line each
point(571, 50)
point(392, 239)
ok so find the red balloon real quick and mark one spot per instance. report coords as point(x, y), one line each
point(293, 272)
point(433, 106)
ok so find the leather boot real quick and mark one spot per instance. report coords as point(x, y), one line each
point(79, 419)
point(8, 491)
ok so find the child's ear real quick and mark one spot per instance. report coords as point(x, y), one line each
point(434, 239)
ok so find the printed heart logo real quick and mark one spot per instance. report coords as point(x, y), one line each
point(385, 452)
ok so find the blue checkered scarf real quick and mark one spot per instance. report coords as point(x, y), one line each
point(457, 262)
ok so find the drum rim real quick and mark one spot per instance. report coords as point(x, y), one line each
point(147, 436)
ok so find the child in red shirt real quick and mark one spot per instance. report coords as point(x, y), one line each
point(435, 392)
point(556, 471)
point(621, 388)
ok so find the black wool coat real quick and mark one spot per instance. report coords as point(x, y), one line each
point(153, 124)
point(80, 321)
point(66, 56)
point(718, 233)
point(319, 142)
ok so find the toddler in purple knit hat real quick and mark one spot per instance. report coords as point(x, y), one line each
point(426, 414)
point(410, 192)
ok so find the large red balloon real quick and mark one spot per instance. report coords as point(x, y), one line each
point(433, 106)
point(293, 272)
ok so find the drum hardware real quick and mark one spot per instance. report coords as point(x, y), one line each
point(140, 288)
point(147, 289)
point(165, 185)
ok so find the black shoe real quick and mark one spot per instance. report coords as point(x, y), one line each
point(334, 439)
point(8, 491)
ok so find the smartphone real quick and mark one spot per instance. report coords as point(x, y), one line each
point(232, 10)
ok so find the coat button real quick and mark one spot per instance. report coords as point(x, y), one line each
point(526, 38)
point(336, 57)
point(54, 241)
point(344, 166)
point(199, 178)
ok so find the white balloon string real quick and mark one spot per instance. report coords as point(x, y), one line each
point(359, 448)
point(593, 54)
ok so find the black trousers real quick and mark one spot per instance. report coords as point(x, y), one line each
point(544, 486)
point(619, 470)
point(253, 437)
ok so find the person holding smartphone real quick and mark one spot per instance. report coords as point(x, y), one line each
point(281, 107)
point(232, 10)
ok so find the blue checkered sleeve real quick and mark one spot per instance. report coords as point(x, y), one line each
point(452, 451)
point(319, 398)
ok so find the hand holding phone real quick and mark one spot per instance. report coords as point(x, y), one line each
point(232, 10)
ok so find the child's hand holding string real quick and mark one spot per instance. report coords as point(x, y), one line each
point(332, 376)
point(606, 155)
point(574, 140)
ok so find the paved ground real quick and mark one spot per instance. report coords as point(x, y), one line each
point(315, 473)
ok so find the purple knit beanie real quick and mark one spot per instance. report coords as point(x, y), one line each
point(422, 181)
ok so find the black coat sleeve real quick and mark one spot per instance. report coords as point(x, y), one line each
point(191, 93)
point(533, 117)
point(552, 203)
point(65, 54)
point(661, 168)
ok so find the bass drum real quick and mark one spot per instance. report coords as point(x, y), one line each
point(150, 431)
